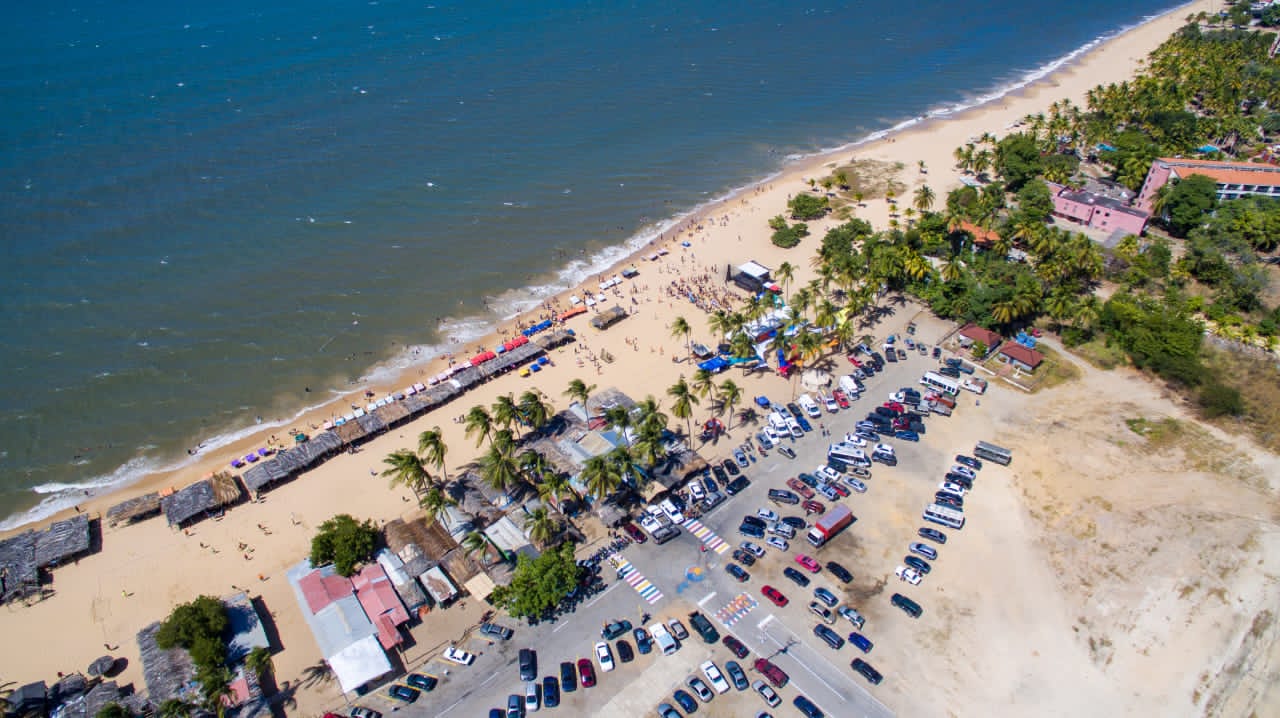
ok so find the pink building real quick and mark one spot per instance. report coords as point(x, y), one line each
point(1233, 179)
point(381, 603)
point(1097, 211)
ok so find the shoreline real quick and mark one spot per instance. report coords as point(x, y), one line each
point(403, 367)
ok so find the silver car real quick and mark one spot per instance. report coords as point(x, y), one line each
point(698, 687)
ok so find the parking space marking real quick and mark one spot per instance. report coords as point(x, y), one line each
point(636, 580)
point(706, 536)
point(707, 598)
point(736, 610)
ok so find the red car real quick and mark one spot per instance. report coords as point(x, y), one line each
point(901, 423)
point(736, 647)
point(774, 595)
point(799, 487)
point(776, 676)
point(894, 406)
point(853, 360)
point(634, 532)
point(809, 564)
point(840, 398)
point(813, 507)
point(587, 672)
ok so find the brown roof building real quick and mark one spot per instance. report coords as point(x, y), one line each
point(1020, 356)
point(971, 333)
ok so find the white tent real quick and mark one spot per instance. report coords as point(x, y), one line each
point(359, 663)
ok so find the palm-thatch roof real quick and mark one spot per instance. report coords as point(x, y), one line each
point(372, 424)
point(608, 398)
point(677, 467)
point(226, 489)
point(63, 540)
point(461, 566)
point(608, 317)
point(135, 509)
point(554, 339)
point(200, 498)
point(393, 413)
point(418, 538)
point(18, 574)
point(169, 674)
point(263, 474)
point(87, 703)
point(350, 432)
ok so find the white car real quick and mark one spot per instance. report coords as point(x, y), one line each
point(910, 575)
point(713, 674)
point(605, 656)
point(658, 515)
point(698, 686)
point(767, 515)
point(671, 511)
point(778, 543)
point(886, 449)
point(854, 440)
point(829, 402)
point(766, 693)
point(459, 656)
point(696, 491)
point(826, 473)
point(649, 523)
point(752, 549)
point(964, 471)
point(952, 488)
point(856, 484)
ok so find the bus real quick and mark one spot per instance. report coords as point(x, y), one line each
point(938, 382)
point(944, 516)
point(991, 452)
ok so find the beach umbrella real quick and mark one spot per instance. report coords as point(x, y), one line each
point(299, 438)
point(102, 666)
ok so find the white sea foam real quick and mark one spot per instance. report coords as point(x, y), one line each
point(60, 496)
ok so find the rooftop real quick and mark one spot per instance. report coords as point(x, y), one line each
point(1254, 173)
point(1019, 353)
point(979, 334)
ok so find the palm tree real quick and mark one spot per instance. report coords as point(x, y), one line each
point(432, 448)
point(176, 708)
point(555, 487)
point(499, 469)
point(785, 274)
point(579, 391)
point(953, 269)
point(533, 410)
point(259, 661)
point(685, 399)
point(541, 527)
point(505, 412)
point(619, 417)
point(680, 327)
point(406, 468)
point(704, 383)
point(600, 476)
point(924, 198)
point(479, 423)
point(730, 396)
point(473, 543)
point(435, 501)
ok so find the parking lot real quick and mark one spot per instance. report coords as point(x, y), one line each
point(688, 578)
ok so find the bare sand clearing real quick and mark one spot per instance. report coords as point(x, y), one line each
point(1068, 607)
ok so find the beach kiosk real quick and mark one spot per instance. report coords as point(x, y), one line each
point(751, 276)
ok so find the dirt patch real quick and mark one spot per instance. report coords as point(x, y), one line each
point(1258, 380)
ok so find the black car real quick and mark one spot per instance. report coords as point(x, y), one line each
point(644, 643)
point(960, 480)
point(950, 371)
point(743, 557)
point(909, 607)
point(800, 579)
point(885, 412)
point(704, 627)
point(918, 564)
point(969, 461)
point(615, 629)
point(753, 520)
point(403, 693)
point(795, 522)
point(686, 701)
point(782, 496)
point(528, 664)
point(937, 352)
point(421, 682)
point(866, 671)
point(839, 572)
point(737, 572)
point(932, 534)
point(550, 692)
point(709, 483)
point(947, 499)
point(806, 706)
point(736, 486)
point(568, 677)
point(794, 409)
point(496, 630)
point(719, 471)
point(731, 467)
point(751, 530)
point(830, 637)
point(886, 459)
point(625, 654)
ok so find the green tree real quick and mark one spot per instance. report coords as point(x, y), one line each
point(730, 397)
point(555, 487)
point(434, 502)
point(685, 400)
point(808, 206)
point(258, 660)
point(199, 628)
point(498, 468)
point(1017, 160)
point(113, 710)
point(579, 391)
point(1187, 202)
point(680, 328)
point(541, 527)
point(474, 543)
point(479, 422)
point(538, 585)
point(600, 476)
point(1035, 202)
point(924, 198)
point(505, 413)
point(175, 708)
point(407, 469)
point(344, 542)
point(432, 448)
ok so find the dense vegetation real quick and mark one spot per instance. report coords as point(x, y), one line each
point(539, 584)
point(199, 627)
point(345, 543)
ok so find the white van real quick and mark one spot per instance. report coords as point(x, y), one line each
point(662, 637)
point(850, 386)
point(809, 406)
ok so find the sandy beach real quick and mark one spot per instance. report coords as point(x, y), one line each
point(145, 569)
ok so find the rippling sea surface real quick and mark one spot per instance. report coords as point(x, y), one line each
point(206, 211)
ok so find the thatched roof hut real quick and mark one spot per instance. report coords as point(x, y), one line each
point(135, 509)
point(372, 424)
point(677, 467)
point(18, 574)
point(554, 339)
point(608, 317)
point(418, 538)
point(350, 432)
point(392, 414)
point(226, 489)
point(200, 498)
point(263, 474)
point(460, 566)
point(63, 540)
point(168, 673)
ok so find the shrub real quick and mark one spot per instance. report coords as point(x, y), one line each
point(1218, 399)
point(344, 542)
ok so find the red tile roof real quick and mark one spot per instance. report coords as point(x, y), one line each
point(381, 603)
point(1253, 173)
point(981, 237)
point(320, 591)
point(978, 334)
point(1019, 353)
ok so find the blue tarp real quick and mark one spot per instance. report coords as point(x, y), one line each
point(714, 364)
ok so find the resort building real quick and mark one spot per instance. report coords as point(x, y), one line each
point(348, 640)
point(1020, 357)
point(1097, 211)
point(1233, 179)
point(970, 334)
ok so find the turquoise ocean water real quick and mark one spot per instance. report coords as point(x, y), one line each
point(205, 210)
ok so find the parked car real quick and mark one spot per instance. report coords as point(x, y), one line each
point(586, 672)
point(403, 693)
point(969, 461)
point(907, 435)
point(700, 689)
point(825, 596)
point(783, 497)
point(736, 647)
point(924, 550)
point(605, 656)
point(814, 507)
point(528, 664)
point(910, 575)
point(856, 484)
point(918, 564)
point(952, 487)
point(828, 636)
point(677, 629)
point(808, 563)
point(737, 486)
point(714, 676)
point(666, 710)
point(515, 706)
point(625, 654)
point(775, 595)
point(862, 642)
point(795, 522)
point(754, 521)
point(911, 608)
point(615, 629)
point(778, 543)
point(800, 488)
point(822, 612)
point(737, 572)
point(763, 440)
point(865, 670)
point(932, 534)
point(496, 630)
point(852, 616)
point(800, 579)
point(752, 530)
point(362, 712)
point(963, 471)
point(766, 516)
point(787, 452)
point(752, 549)
point(806, 706)
point(568, 677)
point(775, 675)
point(685, 700)
point(644, 643)
point(531, 697)
point(704, 627)
point(839, 572)
point(737, 676)
point(768, 694)
point(740, 457)
point(423, 683)
point(454, 654)
point(949, 371)
point(743, 557)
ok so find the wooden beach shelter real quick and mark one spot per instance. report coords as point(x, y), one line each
point(135, 509)
point(608, 318)
point(63, 541)
point(200, 499)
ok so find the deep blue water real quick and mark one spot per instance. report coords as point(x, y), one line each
point(205, 210)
